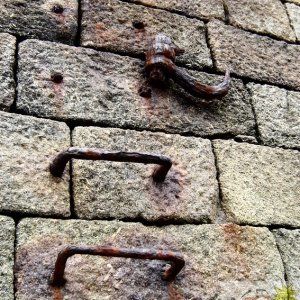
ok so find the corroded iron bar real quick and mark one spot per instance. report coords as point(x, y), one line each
point(58, 165)
point(198, 89)
point(160, 66)
point(176, 260)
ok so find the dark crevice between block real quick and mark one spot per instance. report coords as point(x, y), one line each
point(265, 34)
point(17, 216)
point(256, 128)
point(15, 74)
point(71, 190)
point(79, 22)
point(220, 215)
point(281, 257)
point(226, 12)
point(271, 226)
point(120, 52)
point(210, 48)
point(291, 23)
point(15, 258)
point(247, 79)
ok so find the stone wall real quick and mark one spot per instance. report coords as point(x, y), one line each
point(70, 72)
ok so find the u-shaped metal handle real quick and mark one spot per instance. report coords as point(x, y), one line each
point(58, 165)
point(176, 259)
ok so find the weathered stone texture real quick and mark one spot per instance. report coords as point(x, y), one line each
point(288, 242)
point(7, 57)
point(204, 9)
point(278, 115)
point(37, 19)
point(109, 24)
point(27, 146)
point(222, 261)
point(126, 190)
point(293, 1)
point(254, 56)
point(103, 88)
point(294, 14)
point(7, 237)
point(262, 16)
point(259, 185)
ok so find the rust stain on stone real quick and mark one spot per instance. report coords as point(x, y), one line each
point(154, 101)
point(168, 196)
point(233, 236)
point(100, 26)
point(34, 264)
point(57, 294)
point(174, 292)
point(235, 255)
point(105, 36)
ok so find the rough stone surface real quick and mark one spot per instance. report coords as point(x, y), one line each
point(254, 56)
point(36, 19)
point(277, 115)
point(27, 146)
point(7, 237)
point(293, 1)
point(288, 242)
point(126, 190)
point(110, 24)
point(294, 14)
point(204, 9)
point(103, 88)
point(259, 185)
point(7, 57)
point(263, 16)
point(222, 261)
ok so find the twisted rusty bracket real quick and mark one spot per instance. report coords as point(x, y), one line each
point(176, 259)
point(160, 66)
point(59, 163)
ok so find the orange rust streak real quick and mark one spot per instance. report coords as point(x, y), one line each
point(57, 294)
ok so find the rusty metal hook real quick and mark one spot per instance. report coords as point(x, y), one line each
point(59, 163)
point(176, 259)
point(160, 65)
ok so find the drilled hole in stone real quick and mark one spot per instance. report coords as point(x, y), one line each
point(58, 9)
point(138, 24)
point(57, 78)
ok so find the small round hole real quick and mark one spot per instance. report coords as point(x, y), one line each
point(138, 24)
point(58, 9)
point(57, 78)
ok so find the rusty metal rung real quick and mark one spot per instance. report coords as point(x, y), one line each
point(59, 163)
point(176, 260)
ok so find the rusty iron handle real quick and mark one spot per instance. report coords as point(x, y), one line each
point(176, 259)
point(59, 163)
point(160, 66)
